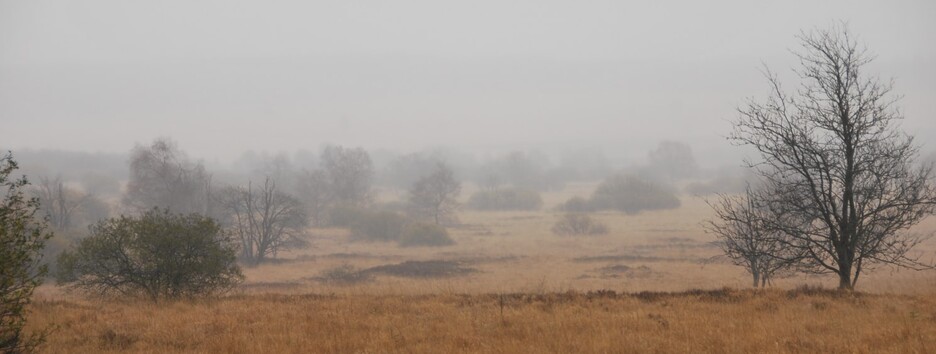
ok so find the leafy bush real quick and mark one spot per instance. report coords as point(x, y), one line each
point(578, 224)
point(157, 254)
point(632, 195)
point(506, 199)
point(423, 234)
point(22, 237)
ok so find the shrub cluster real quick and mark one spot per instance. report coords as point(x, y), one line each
point(628, 194)
point(158, 255)
point(506, 199)
point(423, 234)
point(573, 224)
point(388, 226)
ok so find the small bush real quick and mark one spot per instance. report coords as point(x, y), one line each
point(578, 224)
point(576, 205)
point(506, 199)
point(377, 226)
point(344, 216)
point(423, 234)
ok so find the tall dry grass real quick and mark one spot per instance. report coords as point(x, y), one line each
point(284, 307)
point(722, 321)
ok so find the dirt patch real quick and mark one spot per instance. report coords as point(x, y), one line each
point(281, 285)
point(620, 270)
point(490, 259)
point(621, 258)
point(343, 275)
point(422, 269)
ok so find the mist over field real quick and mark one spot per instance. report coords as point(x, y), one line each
point(225, 77)
point(487, 176)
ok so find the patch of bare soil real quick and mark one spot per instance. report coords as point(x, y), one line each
point(422, 269)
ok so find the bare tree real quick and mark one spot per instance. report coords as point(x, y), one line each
point(264, 219)
point(434, 197)
point(58, 202)
point(350, 173)
point(830, 155)
point(315, 193)
point(161, 176)
point(744, 228)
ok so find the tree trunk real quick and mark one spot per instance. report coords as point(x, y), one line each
point(845, 282)
point(756, 278)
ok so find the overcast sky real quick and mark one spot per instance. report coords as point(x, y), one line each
point(222, 77)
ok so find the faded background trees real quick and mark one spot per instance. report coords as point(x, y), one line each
point(745, 233)
point(68, 208)
point(830, 155)
point(349, 173)
point(434, 197)
point(264, 220)
point(162, 176)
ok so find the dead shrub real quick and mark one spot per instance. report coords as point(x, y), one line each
point(423, 234)
point(573, 224)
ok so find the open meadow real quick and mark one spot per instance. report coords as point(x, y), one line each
point(467, 177)
point(654, 283)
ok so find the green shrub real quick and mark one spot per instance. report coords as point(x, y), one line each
point(22, 236)
point(157, 254)
point(506, 199)
point(423, 234)
point(572, 224)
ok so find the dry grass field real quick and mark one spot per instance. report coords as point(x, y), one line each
point(509, 285)
point(712, 322)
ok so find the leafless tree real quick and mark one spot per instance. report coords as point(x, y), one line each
point(264, 219)
point(58, 202)
point(350, 173)
point(830, 155)
point(743, 226)
point(162, 176)
point(434, 197)
point(315, 193)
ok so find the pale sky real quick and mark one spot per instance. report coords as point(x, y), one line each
point(222, 77)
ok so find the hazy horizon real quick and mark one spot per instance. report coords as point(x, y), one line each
point(223, 78)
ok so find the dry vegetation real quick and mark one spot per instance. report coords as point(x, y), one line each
point(713, 322)
point(510, 285)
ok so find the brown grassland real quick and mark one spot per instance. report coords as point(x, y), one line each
point(523, 289)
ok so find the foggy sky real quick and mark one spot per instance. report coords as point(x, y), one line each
point(222, 77)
